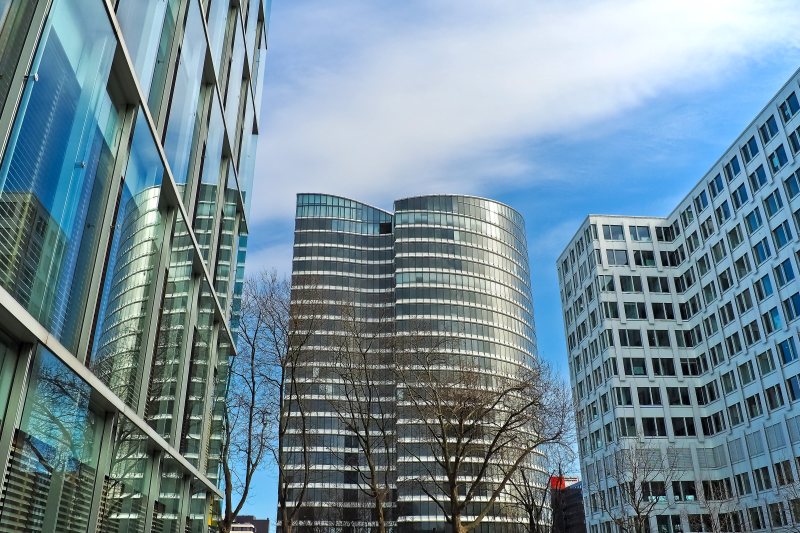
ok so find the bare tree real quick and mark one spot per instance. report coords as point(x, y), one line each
point(639, 475)
point(480, 428)
point(263, 397)
point(720, 505)
point(363, 363)
point(531, 487)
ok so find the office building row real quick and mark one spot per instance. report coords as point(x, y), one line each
point(127, 138)
point(682, 334)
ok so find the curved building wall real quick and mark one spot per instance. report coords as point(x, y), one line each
point(462, 272)
point(454, 266)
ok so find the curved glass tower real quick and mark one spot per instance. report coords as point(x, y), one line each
point(453, 268)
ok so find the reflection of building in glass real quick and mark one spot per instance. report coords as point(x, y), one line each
point(117, 263)
point(683, 346)
point(449, 267)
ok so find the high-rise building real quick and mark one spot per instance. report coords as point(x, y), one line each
point(683, 343)
point(456, 267)
point(566, 502)
point(127, 138)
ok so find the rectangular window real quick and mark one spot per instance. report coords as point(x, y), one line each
point(772, 320)
point(635, 310)
point(606, 283)
point(644, 258)
point(766, 363)
point(617, 257)
point(787, 350)
point(658, 284)
point(792, 185)
point(701, 201)
point(640, 233)
point(763, 287)
point(782, 234)
point(732, 168)
point(789, 107)
point(762, 251)
point(684, 426)
point(654, 427)
point(784, 272)
point(613, 232)
point(678, 396)
point(723, 212)
point(778, 159)
point(753, 220)
point(750, 149)
point(791, 307)
point(649, 396)
point(768, 130)
point(754, 408)
point(740, 196)
point(630, 283)
point(758, 178)
point(631, 338)
point(658, 338)
point(773, 203)
point(715, 186)
point(746, 373)
point(774, 397)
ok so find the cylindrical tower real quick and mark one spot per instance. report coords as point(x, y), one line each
point(462, 278)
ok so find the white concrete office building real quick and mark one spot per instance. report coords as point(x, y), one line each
point(683, 343)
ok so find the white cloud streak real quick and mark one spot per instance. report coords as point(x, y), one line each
point(378, 100)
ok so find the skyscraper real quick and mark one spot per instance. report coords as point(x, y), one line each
point(683, 347)
point(127, 137)
point(448, 267)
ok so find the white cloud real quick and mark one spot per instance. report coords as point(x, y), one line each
point(378, 100)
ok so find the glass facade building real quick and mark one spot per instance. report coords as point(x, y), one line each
point(127, 137)
point(448, 267)
point(682, 334)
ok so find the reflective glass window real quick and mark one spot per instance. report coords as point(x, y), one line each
point(147, 27)
point(15, 21)
point(217, 24)
point(207, 208)
point(55, 176)
point(125, 489)
point(173, 333)
point(181, 125)
point(54, 454)
point(126, 296)
point(234, 85)
point(197, 397)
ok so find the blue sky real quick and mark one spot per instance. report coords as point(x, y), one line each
point(559, 108)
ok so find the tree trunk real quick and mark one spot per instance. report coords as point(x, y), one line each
point(381, 517)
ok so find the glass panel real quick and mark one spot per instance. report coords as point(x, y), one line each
point(217, 23)
point(54, 454)
point(8, 360)
point(234, 86)
point(172, 333)
point(15, 21)
point(260, 70)
point(207, 209)
point(252, 28)
point(168, 505)
point(213, 466)
point(147, 27)
point(54, 179)
point(226, 248)
point(126, 296)
point(196, 394)
point(124, 498)
point(178, 142)
point(248, 168)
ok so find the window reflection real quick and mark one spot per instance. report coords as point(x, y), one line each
point(15, 20)
point(55, 175)
point(178, 141)
point(124, 497)
point(54, 454)
point(127, 291)
point(173, 334)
